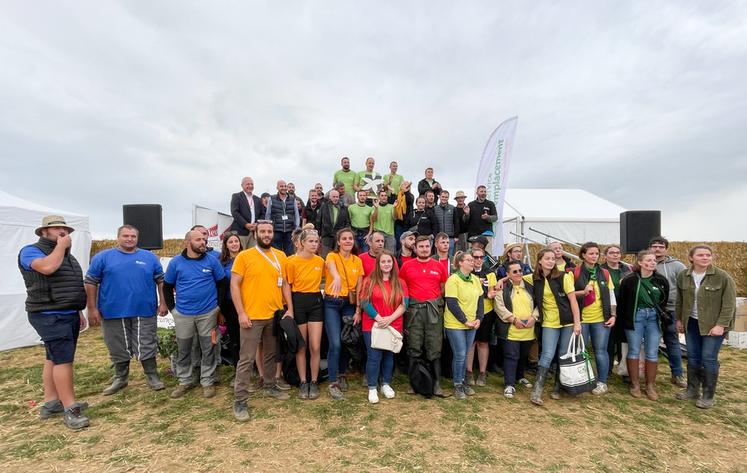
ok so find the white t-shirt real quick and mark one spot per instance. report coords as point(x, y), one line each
point(697, 279)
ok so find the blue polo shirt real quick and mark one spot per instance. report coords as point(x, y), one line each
point(27, 256)
point(127, 282)
point(194, 280)
point(227, 267)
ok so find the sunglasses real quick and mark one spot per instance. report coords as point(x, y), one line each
point(263, 221)
point(515, 271)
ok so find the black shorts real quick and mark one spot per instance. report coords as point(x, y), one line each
point(59, 334)
point(307, 307)
point(485, 331)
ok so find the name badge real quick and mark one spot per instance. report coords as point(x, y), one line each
point(280, 282)
point(284, 217)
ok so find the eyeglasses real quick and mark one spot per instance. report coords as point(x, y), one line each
point(515, 271)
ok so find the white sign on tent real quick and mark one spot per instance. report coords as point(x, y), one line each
point(216, 222)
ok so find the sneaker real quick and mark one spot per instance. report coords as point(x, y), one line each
point(208, 391)
point(343, 382)
point(277, 393)
point(459, 391)
point(679, 381)
point(282, 385)
point(525, 382)
point(52, 408)
point(509, 392)
point(373, 398)
point(313, 390)
point(482, 379)
point(468, 390)
point(387, 391)
point(74, 420)
point(470, 378)
point(241, 411)
point(303, 390)
point(335, 392)
point(600, 389)
point(180, 390)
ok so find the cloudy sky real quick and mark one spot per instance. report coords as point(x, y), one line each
point(105, 103)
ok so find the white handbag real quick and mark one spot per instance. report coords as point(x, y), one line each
point(576, 374)
point(388, 339)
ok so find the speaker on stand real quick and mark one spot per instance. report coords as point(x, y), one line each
point(637, 228)
point(147, 218)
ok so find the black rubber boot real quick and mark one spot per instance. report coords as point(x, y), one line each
point(539, 384)
point(710, 379)
point(437, 390)
point(151, 374)
point(119, 382)
point(693, 385)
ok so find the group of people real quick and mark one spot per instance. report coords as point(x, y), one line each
point(328, 276)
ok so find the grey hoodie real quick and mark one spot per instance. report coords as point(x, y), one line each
point(670, 268)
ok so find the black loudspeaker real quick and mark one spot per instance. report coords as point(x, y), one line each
point(147, 218)
point(637, 228)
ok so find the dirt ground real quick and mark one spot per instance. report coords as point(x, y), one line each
point(145, 431)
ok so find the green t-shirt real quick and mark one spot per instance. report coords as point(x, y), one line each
point(648, 294)
point(385, 219)
point(393, 182)
point(370, 182)
point(360, 216)
point(347, 178)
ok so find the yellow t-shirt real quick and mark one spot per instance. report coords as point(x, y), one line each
point(490, 280)
point(260, 292)
point(305, 274)
point(467, 293)
point(550, 312)
point(593, 313)
point(353, 270)
point(522, 308)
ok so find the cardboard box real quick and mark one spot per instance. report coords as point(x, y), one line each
point(738, 339)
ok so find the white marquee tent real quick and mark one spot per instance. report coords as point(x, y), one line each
point(573, 215)
point(18, 219)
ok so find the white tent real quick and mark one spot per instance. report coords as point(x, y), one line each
point(573, 215)
point(18, 219)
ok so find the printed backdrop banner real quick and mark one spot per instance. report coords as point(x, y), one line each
point(493, 173)
point(216, 222)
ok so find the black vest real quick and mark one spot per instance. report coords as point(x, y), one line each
point(502, 327)
point(61, 290)
point(582, 276)
point(278, 208)
point(561, 299)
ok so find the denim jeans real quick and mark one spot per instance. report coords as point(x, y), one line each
point(702, 351)
point(452, 246)
point(360, 239)
point(599, 335)
point(334, 309)
point(460, 341)
point(515, 356)
point(554, 341)
point(674, 350)
point(282, 241)
point(379, 362)
point(646, 329)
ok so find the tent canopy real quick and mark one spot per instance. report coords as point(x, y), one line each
point(18, 219)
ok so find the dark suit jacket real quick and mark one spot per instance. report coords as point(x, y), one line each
point(242, 214)
point(324, 220)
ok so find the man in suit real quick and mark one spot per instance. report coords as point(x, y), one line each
point(246, 208)
point(332, 216)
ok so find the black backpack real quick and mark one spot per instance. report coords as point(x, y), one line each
point(421, 377)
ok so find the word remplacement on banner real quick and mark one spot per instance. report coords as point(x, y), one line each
point(216, 222)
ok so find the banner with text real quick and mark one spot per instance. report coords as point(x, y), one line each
point(216, 222)
point(493, 173)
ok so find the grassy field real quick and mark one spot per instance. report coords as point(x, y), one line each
point(141, 430)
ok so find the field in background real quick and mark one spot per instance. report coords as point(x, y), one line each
point(730, 256)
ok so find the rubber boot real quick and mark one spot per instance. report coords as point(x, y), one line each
point(539, 384)
point(633, 375)
point(151, 374)
point(119, 382)
point(693, 385)
point(651, 367)
point(710, 379)
point(437, 391)
point(555, 393)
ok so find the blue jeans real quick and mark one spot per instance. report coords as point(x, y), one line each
point(360, 240)
point(282, 241)
point(646, 328)
point(702, 351)
point(399, 229)
point(460, 341)
point(598, 335)
point(452, 246)
point(379, 362)
point(674, 350)
point(515, 356)
point(554, 341)
point(334, 309)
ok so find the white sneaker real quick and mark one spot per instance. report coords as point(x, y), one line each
point(373, 397)
point(525, 382)
point(600, 389)
point(509, 392)
point(387, 391)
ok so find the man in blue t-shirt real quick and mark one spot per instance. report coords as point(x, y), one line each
point(55, 297)
point(197, 279)
point(121, 284)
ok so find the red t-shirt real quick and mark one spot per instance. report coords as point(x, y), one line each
point(383, 308)
point(369, 263)
point(424, 279)
point(405, 259)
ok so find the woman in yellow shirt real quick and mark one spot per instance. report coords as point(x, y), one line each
point(515, 306)
point(304, 271)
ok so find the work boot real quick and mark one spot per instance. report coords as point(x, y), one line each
point(555, 393)
point(539, 384)
point(150, 368)
point(470, 378)
point(314, 390)
point(651, 367)
point(710, 379)
point(119, 381)
point(74, 420)
point(693, 385)
point(241, 411)
point(482, 379)
point(208, 391)
point(181, 390)
point(635, 380)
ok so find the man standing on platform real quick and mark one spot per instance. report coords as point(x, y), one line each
point(481, 215)
point(360, 220)
point(124, 285)
point(447, 220)
point(246, 208)
point(374, 250)
point(369, 180)
point(383, 220)
point(282, 211)
point(461, 220)
point(392, 182)
point(332, 217)
point(428, 183)
point(345, 176)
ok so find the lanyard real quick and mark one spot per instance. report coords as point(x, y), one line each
point(276, 264)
